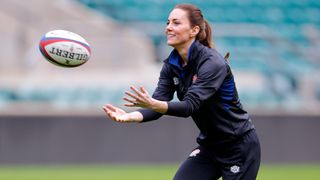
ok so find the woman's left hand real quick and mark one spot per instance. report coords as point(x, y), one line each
point(140, 98)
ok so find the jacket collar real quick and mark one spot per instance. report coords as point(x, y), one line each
point(175, 58)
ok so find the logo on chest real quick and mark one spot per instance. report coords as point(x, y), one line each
point(175, 81)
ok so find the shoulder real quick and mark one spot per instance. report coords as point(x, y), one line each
point(166, 69)
point(166, 65)
point(211, 57)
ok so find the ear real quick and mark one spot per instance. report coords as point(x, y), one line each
point(194, 31)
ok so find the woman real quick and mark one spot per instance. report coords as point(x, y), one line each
point(228, 145)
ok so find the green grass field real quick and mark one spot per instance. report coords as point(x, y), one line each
point(140, 172)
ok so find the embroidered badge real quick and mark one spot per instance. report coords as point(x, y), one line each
point(175, 81)
point(234, 169)
point(194, 78)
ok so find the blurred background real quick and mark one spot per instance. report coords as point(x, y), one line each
point(53, 115)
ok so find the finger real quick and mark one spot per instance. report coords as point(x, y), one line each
point(136, 90)
point(110, 111)
point(133, 101)
point(142, 89)
point(117, 119)
point(121, 121)
point(132, 95)
point(110, 107)
point(129, 104)
point(110, 114)
point(114, 117)
point(106, 109)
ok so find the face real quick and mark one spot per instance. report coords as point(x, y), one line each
point(179, 31)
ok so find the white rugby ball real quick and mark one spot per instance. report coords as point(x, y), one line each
point(64, 48)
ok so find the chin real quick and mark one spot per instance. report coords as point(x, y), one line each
point(171, 43)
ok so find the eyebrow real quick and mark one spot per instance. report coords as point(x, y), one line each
point(173, 19)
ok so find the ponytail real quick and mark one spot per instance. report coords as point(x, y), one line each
point(205, 35)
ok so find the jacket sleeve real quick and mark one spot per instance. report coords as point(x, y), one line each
point(211, 74)
point(164, 92)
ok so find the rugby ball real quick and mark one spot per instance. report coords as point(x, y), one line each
point(64, 48)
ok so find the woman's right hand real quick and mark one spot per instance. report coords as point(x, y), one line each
point(119, 115)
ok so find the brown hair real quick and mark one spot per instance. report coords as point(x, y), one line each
point(196, 19)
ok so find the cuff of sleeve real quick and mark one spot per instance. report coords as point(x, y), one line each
point(178, 109)
point(149, 115)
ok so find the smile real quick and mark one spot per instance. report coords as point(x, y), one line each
point(170, 35)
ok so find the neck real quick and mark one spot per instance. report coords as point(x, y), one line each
point(183, 50)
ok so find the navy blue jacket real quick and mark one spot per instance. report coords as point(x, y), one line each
point(207, 92)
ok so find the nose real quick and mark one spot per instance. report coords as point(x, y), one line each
point(168, 27)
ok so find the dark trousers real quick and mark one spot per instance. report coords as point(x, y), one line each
point(240, 161)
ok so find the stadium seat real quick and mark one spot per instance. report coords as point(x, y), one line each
point(279, 51)
point(267, 54)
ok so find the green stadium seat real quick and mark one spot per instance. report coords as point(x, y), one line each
point(280, 51)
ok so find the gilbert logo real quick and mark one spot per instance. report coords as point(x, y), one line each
point(194, 78)
point(70, 55)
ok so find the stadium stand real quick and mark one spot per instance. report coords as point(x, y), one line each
point(269, 36)
point(273, 44)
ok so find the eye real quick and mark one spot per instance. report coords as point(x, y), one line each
point(173, 22)
point(176, 22)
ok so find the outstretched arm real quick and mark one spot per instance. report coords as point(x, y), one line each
point(137, 98)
